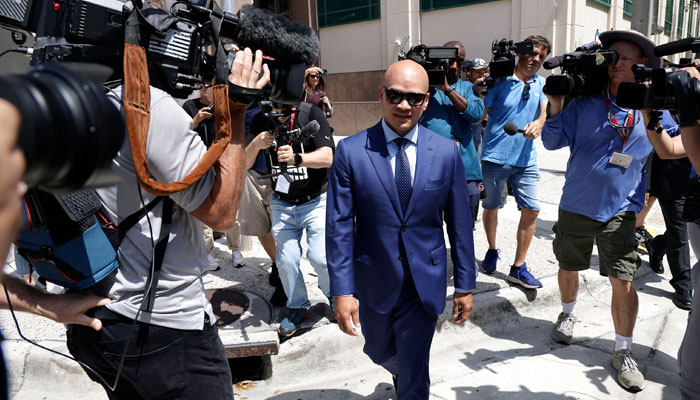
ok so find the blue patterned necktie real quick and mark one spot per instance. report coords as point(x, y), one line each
point(402, 174)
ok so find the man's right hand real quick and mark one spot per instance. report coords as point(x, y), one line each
point(347, 314)
point(263, 141)
point(202, 114)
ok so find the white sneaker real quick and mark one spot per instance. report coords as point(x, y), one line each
point(213, 264)
point(238, 260)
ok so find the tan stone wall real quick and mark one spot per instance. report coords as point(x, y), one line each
point(355, 98)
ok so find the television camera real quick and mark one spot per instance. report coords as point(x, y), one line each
point(504, 52)
point(584, 71)
point(434, 59)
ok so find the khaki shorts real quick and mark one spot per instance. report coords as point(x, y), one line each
point(573, 244)
point(254, 210)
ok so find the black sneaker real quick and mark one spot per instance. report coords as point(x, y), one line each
point(656, 247)
point(683, 299)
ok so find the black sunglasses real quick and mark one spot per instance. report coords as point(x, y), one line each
point(313, 76)
point(526, 92)
point(396, 97)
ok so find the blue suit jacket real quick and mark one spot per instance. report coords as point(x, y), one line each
point(364, 222)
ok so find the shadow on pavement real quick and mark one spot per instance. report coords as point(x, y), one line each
point(383, 391)
point(491, 391)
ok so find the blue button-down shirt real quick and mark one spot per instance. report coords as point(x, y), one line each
point(442, 118)
point(594, 187)
point(506, 104)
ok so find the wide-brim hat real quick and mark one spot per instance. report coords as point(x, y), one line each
point(609, 37)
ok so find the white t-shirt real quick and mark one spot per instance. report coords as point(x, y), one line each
point(172, 151)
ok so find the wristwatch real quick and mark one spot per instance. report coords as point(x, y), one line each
point(448, 91)
point(297, 159)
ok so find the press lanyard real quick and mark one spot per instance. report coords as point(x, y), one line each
point(622, 130)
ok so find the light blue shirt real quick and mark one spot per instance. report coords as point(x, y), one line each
point(505, 105)
point(410, 148)
point(594, 187)
point(442, 118)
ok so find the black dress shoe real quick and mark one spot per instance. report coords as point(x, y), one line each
point(683, 299)
point(656, 254)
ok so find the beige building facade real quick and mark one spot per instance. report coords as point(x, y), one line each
point(356, 54)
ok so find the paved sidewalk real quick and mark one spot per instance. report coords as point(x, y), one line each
point(504, 351)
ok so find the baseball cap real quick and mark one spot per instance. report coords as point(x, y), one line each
point(609, 37)
point(479, 63)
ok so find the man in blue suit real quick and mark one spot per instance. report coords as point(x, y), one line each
point(390, 188)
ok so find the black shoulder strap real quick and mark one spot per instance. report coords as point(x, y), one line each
point(132, 219)
point(303, 111)
point(149, 295)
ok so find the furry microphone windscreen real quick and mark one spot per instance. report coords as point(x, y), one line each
point(277, 37)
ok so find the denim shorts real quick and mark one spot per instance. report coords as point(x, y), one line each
point(524, 180)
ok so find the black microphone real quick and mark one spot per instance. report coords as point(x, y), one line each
point(511, 129)
point(277, 37)
point(588, 46)
point(310, 129)
point(553, 62)
point(677, 47)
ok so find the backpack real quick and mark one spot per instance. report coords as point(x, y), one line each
point(70, 241)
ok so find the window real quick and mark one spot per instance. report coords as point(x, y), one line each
point(668, 22)
point(339, 12)
point(430, 5)
point(627, 9)
point(604, 2)
point(692, 12)
point(276, 6)
point(681, 11)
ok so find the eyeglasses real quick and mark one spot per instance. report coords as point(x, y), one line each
point(526, 92)
point(396, 97)
point(313, 76)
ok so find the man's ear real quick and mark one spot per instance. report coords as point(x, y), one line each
point(380, 93)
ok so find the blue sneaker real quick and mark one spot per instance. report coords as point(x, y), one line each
point(291, 322)
point(490, 261)
point(522, 276)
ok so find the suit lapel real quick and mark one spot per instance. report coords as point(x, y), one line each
point(425, 156)
point(379, 156)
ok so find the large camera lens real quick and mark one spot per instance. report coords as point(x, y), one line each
point(559, 85)
point(69, 130)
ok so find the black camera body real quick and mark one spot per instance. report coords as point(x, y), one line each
point(504, 52)
point(434, 59)
point(584, 72)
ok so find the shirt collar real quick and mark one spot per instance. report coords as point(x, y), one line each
point(390, 135)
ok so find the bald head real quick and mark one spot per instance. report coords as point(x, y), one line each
point(402, 79)
point(406, 71)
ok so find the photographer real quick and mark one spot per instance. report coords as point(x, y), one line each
point(477, 73)
point(609, 147)
point(518, 99)
point(299, 206)
point(452, 107)
point(174, 350)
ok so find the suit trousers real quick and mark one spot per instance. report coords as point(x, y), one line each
point(675, 241)
point(400, 341)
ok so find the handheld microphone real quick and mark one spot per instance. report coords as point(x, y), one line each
point(553, 62)
point(511, 129)
point(277, 37)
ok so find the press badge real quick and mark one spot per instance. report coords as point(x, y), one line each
point(282, 185)
point(621, 159)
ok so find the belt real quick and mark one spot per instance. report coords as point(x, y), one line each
point(306, 199)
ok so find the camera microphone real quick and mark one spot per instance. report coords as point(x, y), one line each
point(589, 46)
point(553, 62)
point(511, 129)
point(310, 129)
point(275, 35)
point(678, 46)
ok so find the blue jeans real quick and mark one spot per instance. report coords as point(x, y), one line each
point(524, 181)
point(288, 224)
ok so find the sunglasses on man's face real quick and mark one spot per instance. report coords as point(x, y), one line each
point(396, 97)
point(526, 92)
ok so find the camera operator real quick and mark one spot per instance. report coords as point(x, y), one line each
point(518, 99)
point(452, 107)
point(300, 206)
point(477, 73)
point(609, 147)
point(174, 350)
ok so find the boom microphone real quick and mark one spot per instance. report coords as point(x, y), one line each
point(277, 37)
point(310, 129)
point(511, 129)
point(553, 62)
point(678, 46)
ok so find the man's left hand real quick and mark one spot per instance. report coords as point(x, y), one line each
point(532, 130)
point(445, 86)
point(285, 154)
point(462, 307)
